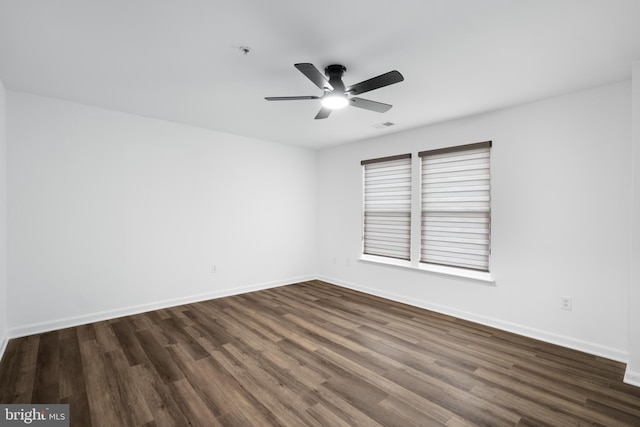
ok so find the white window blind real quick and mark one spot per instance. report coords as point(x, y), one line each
point(387, 206)
point(456, 206)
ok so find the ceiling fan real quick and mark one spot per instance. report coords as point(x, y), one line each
point(336, 95)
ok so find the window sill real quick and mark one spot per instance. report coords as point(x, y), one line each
point(440, 269)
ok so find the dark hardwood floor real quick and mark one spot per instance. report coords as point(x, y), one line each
point(311, 354)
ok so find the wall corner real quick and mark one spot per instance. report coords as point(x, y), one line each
point(633, 368)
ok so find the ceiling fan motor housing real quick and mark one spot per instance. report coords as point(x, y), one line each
point(335, 72)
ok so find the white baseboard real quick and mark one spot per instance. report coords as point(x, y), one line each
point(591, 348)
point(4, 340)
point(632, 377)
point(564, 341)
point(38, 328)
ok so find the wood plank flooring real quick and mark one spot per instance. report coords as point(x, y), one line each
point(311, 354)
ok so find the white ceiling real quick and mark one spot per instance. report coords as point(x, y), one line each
point(179, 60)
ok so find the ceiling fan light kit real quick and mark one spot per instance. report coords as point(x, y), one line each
point(336, 95)
point(334, 102)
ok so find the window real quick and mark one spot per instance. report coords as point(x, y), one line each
point(456, 206)
point(387, 207)
point(452, 211)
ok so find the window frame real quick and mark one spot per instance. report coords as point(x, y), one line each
point(414, 262)
point(373, 195)
point(467, 164)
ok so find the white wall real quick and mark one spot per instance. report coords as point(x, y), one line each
point(3, 222)
point(633, 369)
point(560, 220)
point(111, 213)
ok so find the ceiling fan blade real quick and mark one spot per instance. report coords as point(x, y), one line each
point(314, 75)
point(323, 113)
point(289, 98)
point(382, 80)
point(369, 105)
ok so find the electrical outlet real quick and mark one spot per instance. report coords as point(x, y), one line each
point(214, 268)
point(566, 303)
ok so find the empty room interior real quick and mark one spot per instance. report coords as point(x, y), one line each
point(192, 232)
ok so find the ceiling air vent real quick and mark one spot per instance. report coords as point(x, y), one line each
point(383, 125)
